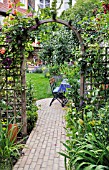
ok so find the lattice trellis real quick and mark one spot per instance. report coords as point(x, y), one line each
point(12, 90)
point(97, 74)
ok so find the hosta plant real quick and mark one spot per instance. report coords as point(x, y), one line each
point(87, 153)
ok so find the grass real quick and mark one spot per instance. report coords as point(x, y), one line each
point(41, 87)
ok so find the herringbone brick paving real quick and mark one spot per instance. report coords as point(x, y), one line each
point(44, 142)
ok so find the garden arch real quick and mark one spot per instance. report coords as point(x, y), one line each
point(20, 73)
point(19, 104)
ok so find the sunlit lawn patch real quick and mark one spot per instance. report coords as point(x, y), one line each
point(40, 85)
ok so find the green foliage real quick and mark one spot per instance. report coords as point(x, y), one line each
point(89, 137)
point(87, 153)
point(54, 5)
point(72, 73)
point(45, 70)
point(32, 117)
point(54, 70)
point(9, 150)
point(87, 147)
point(15, 35)
point(45, 30)
point(80, 10)
point(32, 114)
point(59, 47)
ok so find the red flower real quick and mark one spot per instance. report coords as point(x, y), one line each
point(108, 7)
point(2, 50)
point(105, 12)
point(15, 12)
point(97, 19)
point(38, 43)
point(10, 5)
point(104, 5)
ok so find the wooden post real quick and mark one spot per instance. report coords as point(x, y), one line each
point(23, 98)
point(81, 87)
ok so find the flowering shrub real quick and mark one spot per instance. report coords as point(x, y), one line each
point(16, 36)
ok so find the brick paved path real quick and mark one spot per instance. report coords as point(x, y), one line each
point(44, 142)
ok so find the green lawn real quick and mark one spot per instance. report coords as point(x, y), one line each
point(40, 85)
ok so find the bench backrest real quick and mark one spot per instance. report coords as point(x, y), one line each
point(52, 83)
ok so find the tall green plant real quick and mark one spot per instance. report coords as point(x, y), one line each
point(87, 153)
point(32, 114)
point(88, 146)
point(9, 150)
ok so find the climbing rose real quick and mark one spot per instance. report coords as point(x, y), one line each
point(2, 50)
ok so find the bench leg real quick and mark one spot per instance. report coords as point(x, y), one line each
point(64, 102)
point(52, 101)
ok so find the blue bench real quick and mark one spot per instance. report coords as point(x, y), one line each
point(57, 94)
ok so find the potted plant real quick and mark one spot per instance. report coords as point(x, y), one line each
point(13, 130)
point(9, 150)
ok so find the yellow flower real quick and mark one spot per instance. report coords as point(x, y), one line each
point(81, 122)
point(106, 129)
point(92, 122)
point(10, 78)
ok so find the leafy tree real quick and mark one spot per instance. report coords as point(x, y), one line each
point(58, 48)
point(80, 10)
point(44, 31)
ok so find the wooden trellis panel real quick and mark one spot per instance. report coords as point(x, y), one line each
point(11, 90)
point(97, 75)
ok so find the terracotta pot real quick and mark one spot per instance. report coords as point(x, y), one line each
point(12, 132)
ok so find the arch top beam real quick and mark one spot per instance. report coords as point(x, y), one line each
point(40, 22)
point(74, 29)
